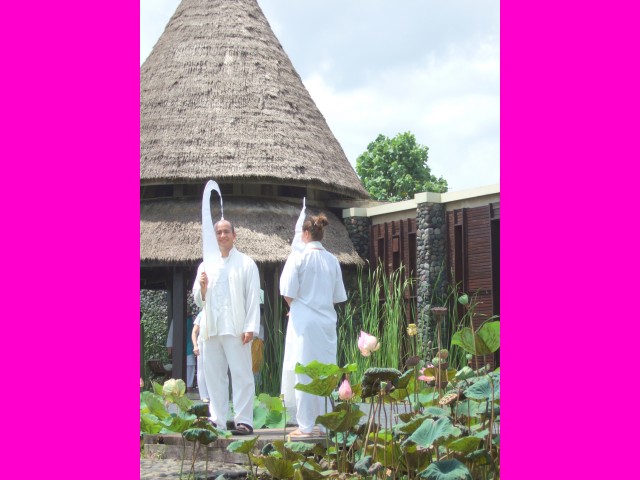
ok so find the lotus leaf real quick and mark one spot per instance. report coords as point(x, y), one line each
point(340, 421)
point(271, 403)
point(446, 470)
point(317, 369)
point(259, 416)
point(322, 387)
point(279, 468)
point(431, 431)
point(485, 341)
point(242, 446)
point(286, 452)
point(464, 444)
point(180, 422)
point(199, 409)
point(149, 423)
point(479, 457)
point(155, 404)
point(482, 389)
point(362, 466)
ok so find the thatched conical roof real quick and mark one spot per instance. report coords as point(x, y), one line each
point(171, 231)
point(219, 98)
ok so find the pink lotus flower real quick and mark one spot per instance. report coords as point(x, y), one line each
point(141, 382)
point(426, 378)
point(345, 392)
point(367, 343)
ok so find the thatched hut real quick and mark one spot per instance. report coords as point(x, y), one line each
point(220, 99)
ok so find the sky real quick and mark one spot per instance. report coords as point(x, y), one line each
point(429, 67)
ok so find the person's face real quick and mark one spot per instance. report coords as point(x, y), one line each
point(224, 235)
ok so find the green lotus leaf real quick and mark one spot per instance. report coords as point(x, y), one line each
point(362, 465)
point(495, 439)
point(257, 460)
point(372, 375)
point(305, 473)
point(300, 447)
point(344, 438)
point(271, 403)
point(259, 416)
point(397, 395)
point(317, 369)
point(205, 437)
point(467, 408)
point(387, 454)
point(446, 470)
point(180, 422)
point(322, 387)
point(287, 453)
point(411, 425)
point(479, 457)
point(267, 449)
point(406, 378)
point(490, 334)
point(485, 409)
point(191, 434)
point(414, 459)
point(199, 409)
point(275, 419)
point(464, 444)
point(487, 339)
point(487, 388)
point(340, 421)
point(184, 403)
point(155, 404)
point(463, 374)
point(279, 468)
point(243, 446)
point(157, 388)
point(435, 412)
point(426, 396)
point(149, 423)
point(431, 431)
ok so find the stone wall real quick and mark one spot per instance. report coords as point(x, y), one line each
point(431, 259)
point(358, 229)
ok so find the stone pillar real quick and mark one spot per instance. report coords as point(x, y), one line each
point(359, 229)
point(431, 241)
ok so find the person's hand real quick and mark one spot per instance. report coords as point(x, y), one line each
point(247, 337)
point(196, 351)
point(203, 284)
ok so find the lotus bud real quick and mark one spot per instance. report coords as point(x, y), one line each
point(412, 329)
point(344, 392)
point(367, 344)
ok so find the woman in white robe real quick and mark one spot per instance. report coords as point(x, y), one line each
point(311, 283)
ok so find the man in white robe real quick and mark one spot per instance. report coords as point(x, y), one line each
point(228, 289)
point(197, 340)
point(311, 282)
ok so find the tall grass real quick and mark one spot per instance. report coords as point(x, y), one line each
point(275, 330)
point(378, 308)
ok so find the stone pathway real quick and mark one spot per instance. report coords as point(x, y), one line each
point(165, 469)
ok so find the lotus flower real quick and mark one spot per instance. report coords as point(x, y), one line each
point(141, 382)
point(367, 343)
point(425, 378)
point(345, 392)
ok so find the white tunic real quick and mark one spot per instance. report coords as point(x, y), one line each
point(232, 303)
point(314, 280)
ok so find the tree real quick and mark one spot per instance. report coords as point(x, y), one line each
point(396, 168)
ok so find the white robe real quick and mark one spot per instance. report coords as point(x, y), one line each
point(314, 280)
point(221, 331)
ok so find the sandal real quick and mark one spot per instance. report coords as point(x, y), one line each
point(242, 429)
point(297, 433)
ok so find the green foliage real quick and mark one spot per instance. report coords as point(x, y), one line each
point(483, 342)
point(446, 470)
point(396, 168)
point(166, 411)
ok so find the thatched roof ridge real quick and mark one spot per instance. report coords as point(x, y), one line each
point(220, 98)
point(171, 230)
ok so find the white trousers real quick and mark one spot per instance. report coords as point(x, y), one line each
point(309, 407)
point(224, 352)
point(202, 382)
point(191, 370)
